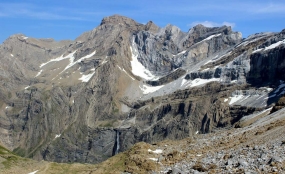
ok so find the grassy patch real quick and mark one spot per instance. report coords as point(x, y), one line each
point(115, 164)
point(19, 151)
point(10, 158)
point(75, 168)
point(115, 108)
point(3, 151)
point(108, 123)
point(10, 161)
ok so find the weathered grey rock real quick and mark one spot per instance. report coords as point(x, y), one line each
point(242, 162)
point(176, 171)
point(49, 113)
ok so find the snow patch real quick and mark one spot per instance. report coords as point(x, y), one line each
point(235, 99)
point(274, 45)
point(258, 50)
point(255, 115)
point(39, 73)
point(208, 62)
point(137, 68)
point(243, 43)
point(197, 132)
point(182, 52)
point(57, 136)
point(183, 82)
point(149, 89)
point(205, 69)
point(33, 172)
point(27, 87)
point(24, 37)
point(212, 36)
point(157, 151)
point(216, 58)
point(153, 159)
point(70, 56)
point(12, 55)
point(226, 99)
point(86, 78)
point(89, 55)
point(104, 61)
point(71, 60)
point(269, 89)
point(208, 38)
point(198, 81)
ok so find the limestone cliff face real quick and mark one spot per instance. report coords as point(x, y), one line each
point(125, 82)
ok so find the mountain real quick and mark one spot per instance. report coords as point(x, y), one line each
point(123, 82)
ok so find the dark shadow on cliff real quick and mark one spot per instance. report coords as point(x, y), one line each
point(267, 69)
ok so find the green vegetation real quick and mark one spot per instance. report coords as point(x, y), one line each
point(108, 124)
point(9, 95)
point(19, 151)
point(3, 151)
point(10, 161)
point(114, 108)
point(9, 158)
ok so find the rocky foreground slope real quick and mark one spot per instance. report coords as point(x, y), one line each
point(124, 82)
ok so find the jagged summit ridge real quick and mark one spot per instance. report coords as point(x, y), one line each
point(118, 19)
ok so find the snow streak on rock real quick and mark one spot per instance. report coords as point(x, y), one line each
point(72, 62)
point(33, 172)
point(137, 68)
point(157, 151)
point(70, 56)
point(210, 37)
point(57, 136)
point(198, 82)
point(150, 89)
point(86, 78)
point(272, 46)
point(235, 99)
point(39, 73)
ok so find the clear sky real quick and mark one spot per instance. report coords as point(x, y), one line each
point(67, 19)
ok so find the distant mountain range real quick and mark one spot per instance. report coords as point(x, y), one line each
point(124, 82)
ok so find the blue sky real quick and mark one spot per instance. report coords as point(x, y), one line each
point(67, 19)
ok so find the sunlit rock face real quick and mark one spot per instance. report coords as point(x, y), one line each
point(124, 82)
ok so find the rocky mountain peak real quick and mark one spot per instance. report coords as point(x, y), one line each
point(118, 19)
point(172, 29)
point(199, 26)
point(152, 27)
point(202, 29)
